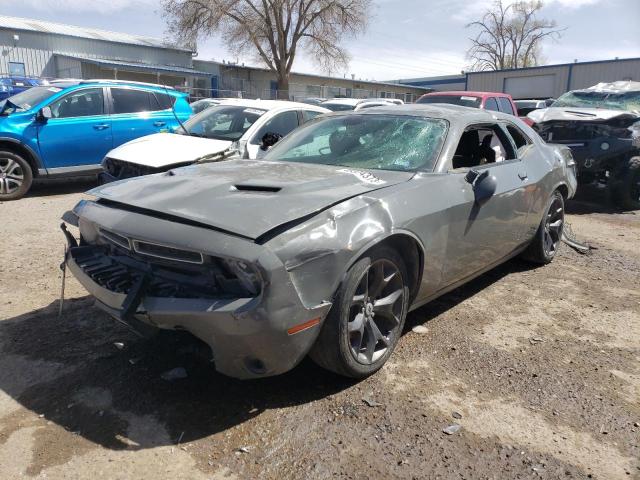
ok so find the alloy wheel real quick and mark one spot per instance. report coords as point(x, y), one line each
point(11, 176)
point(375, 312)
point(553, 225)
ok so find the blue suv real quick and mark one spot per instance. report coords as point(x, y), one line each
point(66, 128)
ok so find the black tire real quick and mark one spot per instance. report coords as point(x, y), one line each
point(545, 244)
point(337, 348)
point(16, 176)
point(625, 189)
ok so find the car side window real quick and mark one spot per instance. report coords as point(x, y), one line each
point(481, 145)
point(505, 105)
point(162, 101)
point(126, 100)
point(81, 103)
point(282, 124)
point(491, 104)
point(308, 115)
point(520, 140)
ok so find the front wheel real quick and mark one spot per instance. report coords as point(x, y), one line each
point(15, 176)
point(625, 188)
point(545, 244)
point(367, 317)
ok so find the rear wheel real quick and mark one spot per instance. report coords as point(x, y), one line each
point(545, 244)
point(367, 317)
point(15, 176)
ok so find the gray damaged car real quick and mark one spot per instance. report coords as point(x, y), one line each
point(324, 246)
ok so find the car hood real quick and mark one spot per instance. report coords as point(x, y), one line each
point(577, 114)
point(246, 197)
point(163, 150)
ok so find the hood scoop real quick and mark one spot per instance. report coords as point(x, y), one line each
point(255, 187)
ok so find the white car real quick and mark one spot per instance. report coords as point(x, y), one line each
point(238, 127)
point(343, 104)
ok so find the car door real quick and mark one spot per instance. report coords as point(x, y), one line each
point(280, 123)
point(135, 113)
point(78, 132)
point(481, 233)
point(535, 168)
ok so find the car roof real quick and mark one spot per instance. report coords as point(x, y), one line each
point(445, 111)
point(74, 82)
point(343, 101)
point(271, 104)
point(468, 93)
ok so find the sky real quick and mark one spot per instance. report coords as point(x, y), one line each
point(405, 38)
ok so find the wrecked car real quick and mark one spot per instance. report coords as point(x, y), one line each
point(322, 247)
point(601, 125)
point(234, 127)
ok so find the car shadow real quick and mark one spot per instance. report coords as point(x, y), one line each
point(94, 377)
point(61, 186)
point(590, 200)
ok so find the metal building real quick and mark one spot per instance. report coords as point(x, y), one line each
point(551, 81)
point(232, 79)
point(547, 81)
point(52, 50)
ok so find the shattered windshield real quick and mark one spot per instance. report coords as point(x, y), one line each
point(629, 101)
point(28, 99)
point(379, 142)
point(224, 122)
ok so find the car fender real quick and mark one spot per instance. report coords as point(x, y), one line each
point(39, 165)
point(327, 247)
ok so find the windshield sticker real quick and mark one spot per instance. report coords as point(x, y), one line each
point(54, 89)
point(366, 177)
point(472, 99)
point(254, 111)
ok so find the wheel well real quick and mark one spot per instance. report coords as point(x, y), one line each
point(411, 252)
point(564, 191)
point(23, 152)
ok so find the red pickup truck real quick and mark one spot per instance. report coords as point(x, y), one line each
point(499, 102)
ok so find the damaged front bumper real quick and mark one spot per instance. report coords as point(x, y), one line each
point(179, 285)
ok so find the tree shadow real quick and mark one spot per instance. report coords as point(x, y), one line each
point(79, 379)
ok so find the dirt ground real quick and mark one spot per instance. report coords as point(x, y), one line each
point(541, 365)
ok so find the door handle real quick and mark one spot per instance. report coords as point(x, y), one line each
point(101, 126)
point(159, 123)
point(522, 176)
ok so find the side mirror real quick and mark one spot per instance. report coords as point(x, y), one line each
point(45, 114)
point(269, 139)
point(484, 185)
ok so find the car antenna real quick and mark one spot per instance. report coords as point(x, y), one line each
point(173, 110)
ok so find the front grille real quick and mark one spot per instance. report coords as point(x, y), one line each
point(119, 270)
point(115, 239)
point(167, 253)
point(120, 169)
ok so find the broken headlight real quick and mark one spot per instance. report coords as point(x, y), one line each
point(246, 275)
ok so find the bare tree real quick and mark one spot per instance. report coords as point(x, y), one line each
point(273, 30)
point(510, 36)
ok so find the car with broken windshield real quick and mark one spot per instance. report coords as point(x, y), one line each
point(234, 127)
point(601, 125)
point(322, 247)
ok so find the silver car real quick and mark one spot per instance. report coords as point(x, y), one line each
point(322, 247)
